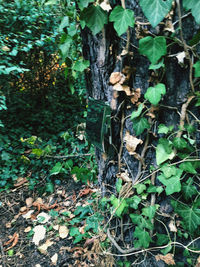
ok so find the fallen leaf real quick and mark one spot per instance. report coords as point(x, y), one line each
point(172, 226)
point(56, 227)
point(28, 214)
point(8, 225)
point(5, 48)
point(27, 229)
point(117, 77)
point(23, 209)
point(54, 258)
point(180, 56)
point(136, 96)
point(39, 200)
point(198, 262)
point(85, 191)
point(15, 239)
point(39, 234)
point(131, 143)
point(105, 5)
point(43, 217)
point(168, 258)
point(29, 202)
point(124, 176)
point(63, 231)
point(20, 181)
point(88, 242)
point(43, 248)
point(11, 239)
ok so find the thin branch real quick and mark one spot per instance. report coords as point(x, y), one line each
point(69, 156)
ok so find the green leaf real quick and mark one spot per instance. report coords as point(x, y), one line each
point(187, 167)
point(179, 143)
point(84, 3)
point(141, 221)
point(194, 5)
point(122, 18)
point(81, 65)
point(162, 239)
point(118, 185)
point(133, 202)
point(157, 65)
point(64, 48)
point(173, 183)
point(143, 238)
point(74, 231)
point(49, 187)
point(153, 48)
point(64, 23)
point(140, 188)
point(190, 215)
point(162, 129)
point(154, 94)
point(137, 113)
point(162, 154)
point(155, 10)
point(139, 125)
point(197, 69)
point(168, 171)
point(188, 189)
point(119, 204)
point(149, 211)
point(56, 169)
point(95, 18)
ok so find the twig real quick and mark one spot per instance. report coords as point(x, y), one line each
point(185, 45)
point(69, 156)
point(124, 251)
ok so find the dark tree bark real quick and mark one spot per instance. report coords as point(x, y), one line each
point(104, 51)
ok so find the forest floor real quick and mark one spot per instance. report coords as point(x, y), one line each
point(34, 229)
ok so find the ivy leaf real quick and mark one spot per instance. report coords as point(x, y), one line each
point(188, 189)
point(56, 169)
point(133, 202)
point(179, 143)
point(154, 94)
point(190, 215)
point(141, 221)
point(194, 5)
point(139, 125)
point(84, 3)
point(155, 10)
point(153, 48)
point(157, 65)
point(173, 183)
point(119, 185)
point(137, 113)
point(95, 18)
point(143, 238)
point(162, 154)
point(119, 204)
point(140, 188)
point(81, 65)
point(149, 211)
point(122, 18)
point(162, 129)
point(187, 167)
point(197, 69)
point(168, 171)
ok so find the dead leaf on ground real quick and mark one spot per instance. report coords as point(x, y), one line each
point(131, 143)
point(39, 234)
point(85, 191)
point(43, 217)
point(20, 181)
point(27, 229)
point(168, 258)
point(63, 231)
point(43, 248)
point(124, 176)
point(54, 258)
point(29, 202)
point(13, 239)
point(8, 225)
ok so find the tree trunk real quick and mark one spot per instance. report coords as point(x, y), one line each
point(110, 53)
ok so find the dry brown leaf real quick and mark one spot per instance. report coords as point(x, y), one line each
point(39, 234)
point(124, 176)
point(8, 225)
point(136, 96)
point(43, 248)
point(54, 258)
point(116, 77)
point(15, 241)
point(20, 181)
point(131, 143)
point(198, 262)
point(85, 191)
point(168, 258)
point(27, 229)
point(23, 209)
point(88, 242)
point(10, 240)
point(63, 231)
point(172, 226)
point(29, 202)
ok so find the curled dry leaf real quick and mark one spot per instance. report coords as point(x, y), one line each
point(63, 231)
point(198, 262)
point(124, 88)
point(131, 143)
point(124, 176)
point(43, 248)
point(14, 239)
point(27, 229)
point(54, 258)
point(180, 56)
point(168, 258)
point(117, 77)
point(172, 227)
point(20, 181)
point(136, 96)
point(29, 202)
